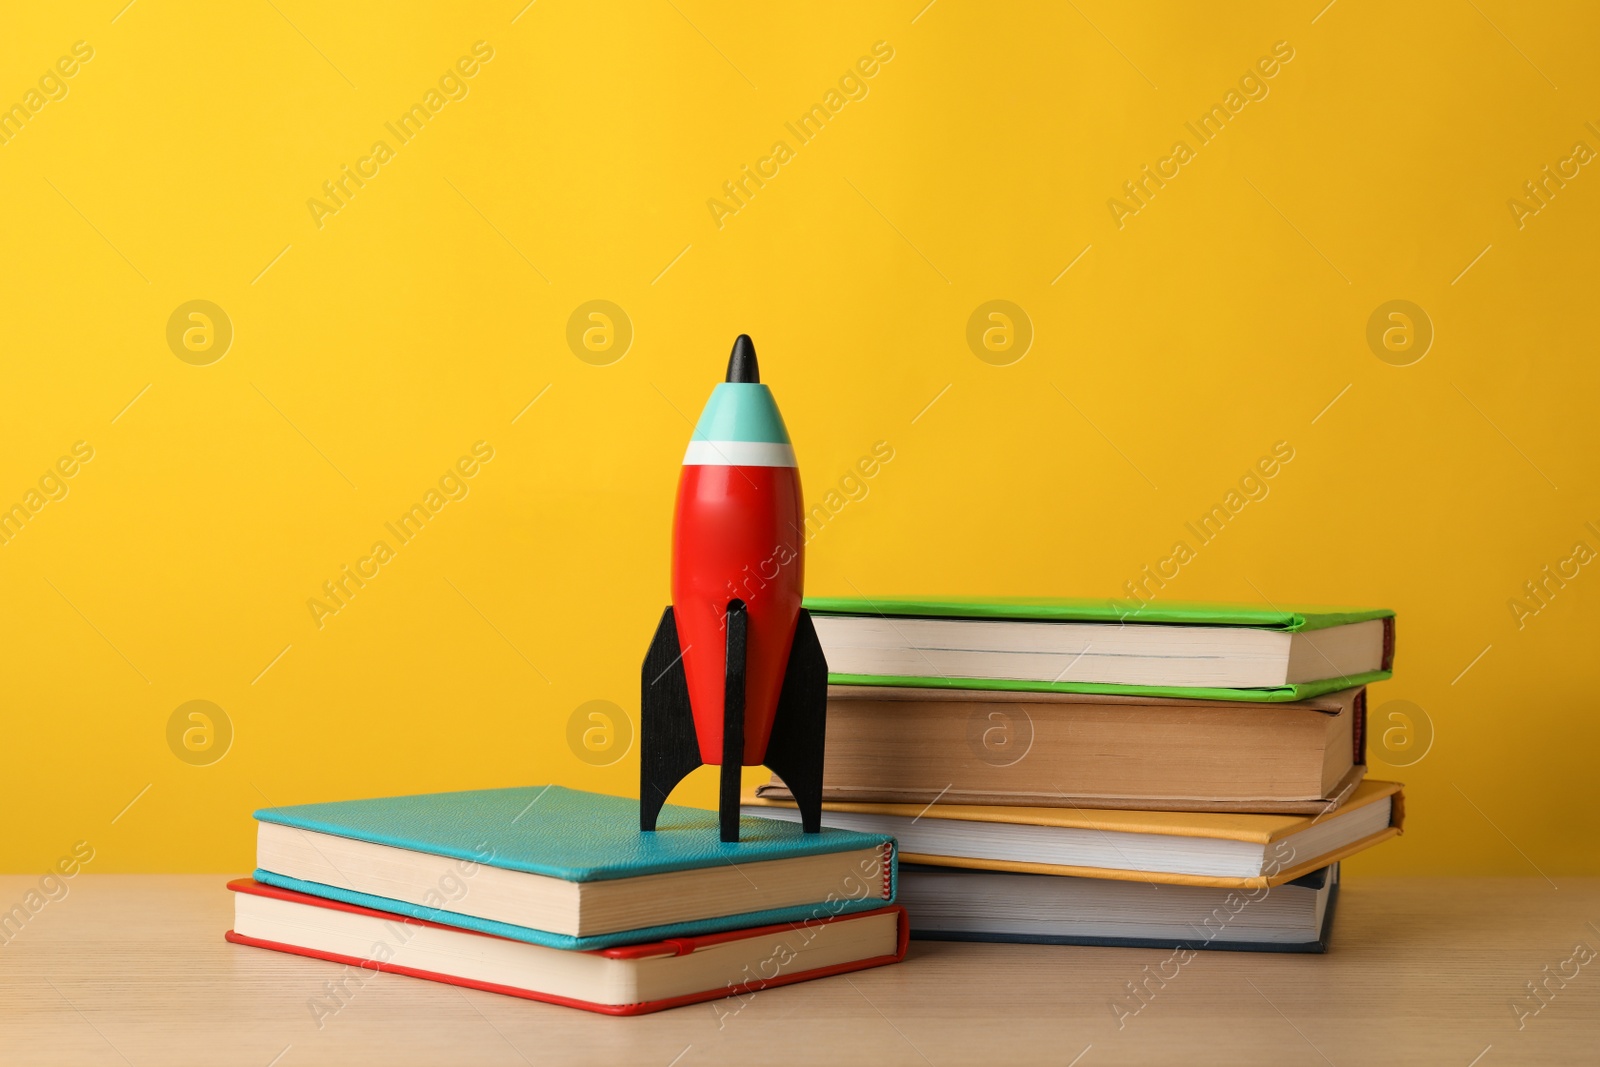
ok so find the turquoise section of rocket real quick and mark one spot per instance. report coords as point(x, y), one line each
point(741, 411)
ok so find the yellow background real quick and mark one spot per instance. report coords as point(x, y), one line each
point(427, 313)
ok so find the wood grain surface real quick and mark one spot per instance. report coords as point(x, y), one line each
point(132, 969)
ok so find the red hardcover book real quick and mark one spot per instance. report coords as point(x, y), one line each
point(625, 980)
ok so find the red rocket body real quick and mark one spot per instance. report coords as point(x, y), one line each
point(738, 533)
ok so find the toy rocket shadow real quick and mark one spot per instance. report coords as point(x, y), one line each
point(735, 676)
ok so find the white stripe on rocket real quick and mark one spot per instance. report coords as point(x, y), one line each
point(738, 454)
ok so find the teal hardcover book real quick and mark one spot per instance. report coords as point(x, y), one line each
point(567, 868)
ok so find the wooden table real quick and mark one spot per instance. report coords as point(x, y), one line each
point(132, 969)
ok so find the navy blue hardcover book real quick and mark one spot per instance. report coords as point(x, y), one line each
point(955, 904)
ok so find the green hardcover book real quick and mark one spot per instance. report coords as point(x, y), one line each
point(1201, 651)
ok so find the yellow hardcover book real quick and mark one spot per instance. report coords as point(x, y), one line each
point(1183, 848)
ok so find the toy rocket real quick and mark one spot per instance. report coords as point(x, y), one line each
point(734, 675)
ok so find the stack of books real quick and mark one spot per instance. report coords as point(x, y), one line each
point(1075, 772)
point(553, 894)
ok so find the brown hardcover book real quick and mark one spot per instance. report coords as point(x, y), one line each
point(917, 746)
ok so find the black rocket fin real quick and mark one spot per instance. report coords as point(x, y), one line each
point(799, 728)
point(668, 750)
point(733, 719)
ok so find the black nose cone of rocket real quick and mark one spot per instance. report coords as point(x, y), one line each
point(742, 362)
